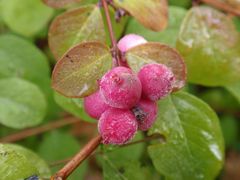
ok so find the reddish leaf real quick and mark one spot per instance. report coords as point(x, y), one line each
point(75, 26)
point(159, 53)
point(59, 3)
point(76, 74)
point(153, 14)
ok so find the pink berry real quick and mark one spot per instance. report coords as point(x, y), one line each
point(129, 41)
point(121, 88)
point(94, 105)
point(145, 113)
point(157, 81)
point(117, 126)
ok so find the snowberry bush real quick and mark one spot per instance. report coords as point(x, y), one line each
point(131, 68)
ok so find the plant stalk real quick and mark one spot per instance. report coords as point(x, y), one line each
point(77, 159)
point(38, 130)
point(115, 51)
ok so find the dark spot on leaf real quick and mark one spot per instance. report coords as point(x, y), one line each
point(67, 56)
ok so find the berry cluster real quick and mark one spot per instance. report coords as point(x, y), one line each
point(126, 102)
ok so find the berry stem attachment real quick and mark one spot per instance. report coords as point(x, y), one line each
point(115, 51)
point(86, 151)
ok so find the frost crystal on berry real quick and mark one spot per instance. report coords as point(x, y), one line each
point(94, 105)
point(117, 126)
point(121, 88)
point(157, 81)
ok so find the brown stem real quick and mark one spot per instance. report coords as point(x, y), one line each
point(222, 6)
point(115, 51)
point(77, 159)
point(38, 130)
point(149, 138)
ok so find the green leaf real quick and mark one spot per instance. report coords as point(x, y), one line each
point(1, 20)
point(58, 145)
point(134, 170)
point(194, 146)
point(182, 3)
point(130, 170)
point(120, 155)
point(209, 42)
point(230, 129)
point(33, 158)
point(59, 3)
point(73, 106)
point(76, 74)
point(26, 18)
point(75, 26)
point(234, 89)
point(214, 97)
point(152, 14)
point(22, 104)
point(158, 53)
point(167, 36)
point(20, 58)
point(236, 21)
point(119, 163)
point(14, 165)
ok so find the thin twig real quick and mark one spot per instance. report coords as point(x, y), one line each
point(115, 51)
point(222, 6)
point(85, 152)
point(149, 138)
point(38, 130)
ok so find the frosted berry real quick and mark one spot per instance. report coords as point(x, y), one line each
point(145, 113)
point(117, 126)
point(157, 81)
point(94, 105)
point(121, 88)
point(129, 41)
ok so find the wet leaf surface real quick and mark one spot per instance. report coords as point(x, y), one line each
point(75, 26)
point(209, 43)
point(14, 165)
point(77, 73)
point(21, 58)
point(27, 17)
point(22, 104)
point(37, 162)
point(194, 147)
